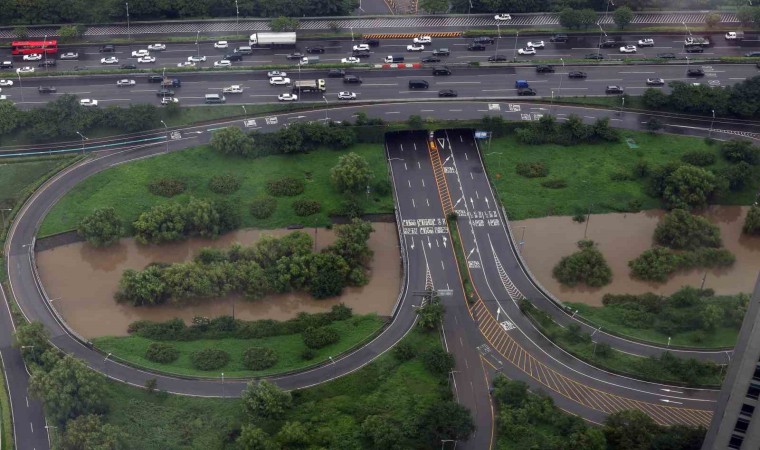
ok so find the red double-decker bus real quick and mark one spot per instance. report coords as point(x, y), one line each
point(28, 47)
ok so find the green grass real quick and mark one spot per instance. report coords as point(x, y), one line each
point(6, 423)
point(289, 348)
point(333, 411)
point(125, 187)
point(17, 174)
point(587, 170)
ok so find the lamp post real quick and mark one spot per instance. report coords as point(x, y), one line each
point(687, 28)
point(237, 17)
point(514, 52)
point(588, 218)
point(245, 113)
point(559, 91)
point(352, 34)
point(326, 106)
point(83, 139)
point(167, 136)
point(129, 30)
point(687, 61)
point(105, 364)
point(498, 27)
point(601, 32)
point(21, 88)
point(2, 212)
point(44, 51)
point(197, 46)
point(712, 123)
point(223, 385)
point(522, 238)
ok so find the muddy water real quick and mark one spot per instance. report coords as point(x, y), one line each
point(82, 281)
point(622, 237)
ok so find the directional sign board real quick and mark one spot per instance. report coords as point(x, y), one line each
point(481, 135)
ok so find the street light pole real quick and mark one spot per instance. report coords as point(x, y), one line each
point(245, 113)
point(326, 106)
point(167, 136)
point(197, 46)
point(129, 30)
point(237, 17)
point(44, 51)
point(223, 385)
point(83, 139)
point(21, 88)
point(105, 364)
point(514, 52)
point(712, 122)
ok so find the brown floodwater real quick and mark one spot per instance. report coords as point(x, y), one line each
point(621, 238)
point(82, 281)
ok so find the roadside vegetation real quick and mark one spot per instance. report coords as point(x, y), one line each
point(586, 266)
point(6, 424)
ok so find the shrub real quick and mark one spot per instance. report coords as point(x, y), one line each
point(586, 266)
point(699, 158)
point(167, 187)
point(319, 337)
point(285, 187)
point(224, 183)
point(640, 169)
point(752, 221)
point(403, 351)
point(535, 169)
point(101, 228)
point(382, 187)
point(209, 359)
point(438, 360)
point(263, 207)
point(556, 183)
point(304, 207)
point(740, 150)
point(681, 230)
point(655, 264)
point(620, 176)
point(308, 354)
point(259, 358)
point(162, 353)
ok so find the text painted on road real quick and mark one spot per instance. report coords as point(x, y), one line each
point(424, 226)
point(474, 264)
point(481, 218)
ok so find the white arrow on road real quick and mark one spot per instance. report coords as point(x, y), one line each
point(445, 161)
point(444, 241)
point(671, 390)
point(412, 244)
point(460, 199)
point(670, 401)
point(472, 202)
point(195, 132)
point(429, 244)
point(468, 255)
point(488, 205)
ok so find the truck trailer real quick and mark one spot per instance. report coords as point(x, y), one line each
point(309, 86)
point(272, 39)
point(694, 40)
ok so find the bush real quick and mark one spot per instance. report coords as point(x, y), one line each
point(740, 150)
point(224, 184)
point(655, 264)
point(403, 351)
point(308, 354)
point(304, 207)
point(209, 359)
point(319, 337)
point(259, 358)
point(586, 266)
point(101, 228)
point(167, 187)
point(699, 158)
point(640, 169)
point(681, 230)
point(752, 221)
point(162, 353)
point(438, 360)
point(285, 187)
point(554, 184)
point(263, 207)
point(535, 169)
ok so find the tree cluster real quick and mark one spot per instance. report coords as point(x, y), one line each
point(577, 18)
point(659, 263)
point(586, 266)
point(741, 99)
point(174, 221)
point(102, 228)
point(752, 221)
point(570, 132)
point(680, 230)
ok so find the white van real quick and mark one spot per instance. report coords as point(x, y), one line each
point(215, 98)
point(244, 50)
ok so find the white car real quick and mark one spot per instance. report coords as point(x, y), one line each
point(6, 83)
point(196, 58)
point(501, 17)
point(234, 89)
point(527, 51)
point(166, 100)
point(33, 57)
point(109, 60)
point(25, 69)
point(628, 49)
point(276, 73)
point(125, 82)
point(186, 64)
point(423, 40)
point(361, 47)
point(157, 47)
point(279, 81)
point(646, 42)
point(287, 97)
point(146, 59)
point(140, 53)
point(223, 63)
point(350, 60)
point(537, 44)
point(415, 47)
point(3, 97)
point(69, 55)
point(221, 44)
point(345, 95)
point(88, 102)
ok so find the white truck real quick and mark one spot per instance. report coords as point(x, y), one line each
point(234, 89)
point(273, 39)
point(309, 86)
point(735, 36)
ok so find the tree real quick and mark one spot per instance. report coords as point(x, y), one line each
point(385, 433)
point(146, 287)
point(569, 18)
point(137, 117)
point(746, 14)
point(284, 24)
point(68, 390)
point(745, 98)
point(89, 432)
point(438, 360)
point(434, 6)
point(681, 230)
point(264, 399)
point(232, 141)
point(740, 150)
point(654, 99)
point(630, 429)
point(68, 33)
point(712, 19)
point(254, 438)
point(622, 16)
point(32, 339)
point(10, 117)
point(445, 420)
point(752, 221)
point(689, 187)
point(163, 222)
point(738, 176)
point(293, 435)
point(102, 228)
point(654, 125)
point(586, 266)
point(430, 315)
point(21, 32)
point(352, 174)
point(508, 393)
point(587, 17)
point(679, 437)
point(329, 272)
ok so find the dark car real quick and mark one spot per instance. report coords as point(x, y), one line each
point(666, 55)
point(372, 42)
point(497, 58)
point(361, 54)
point(233, 56)
point(441, 52)
point(295, 55)
point(431, 59)
point(6, 65)
point(46, 89)
point(336, 73)
point(155, 79)
point(476, 47)
point(594, 56)
point(558, 38)
point(609, 43)
point(526, 91)
point(108, 48)
point(543, 68)
point(165, 93)
point(695, 73)
point(613, 90)
point(47, 63)
point(483, 40)
point(441, 70)
point(576, 74)
point(315, 49)
point(352, 79)
point(694, 49)
point(447, 93)
point(129, 66)
point(752, 54)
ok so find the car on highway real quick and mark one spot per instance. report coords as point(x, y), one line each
point(476, 47)
point(361, 47)
point(124, 66)
point(47, 63)
point(287, 97)
point(233, 56)
point(46, 90)
point(164, 92)
point(279, 81)
point(502, 17)
point(3, 97)
point(594, 56)
point(423, 40)
point(544, 68)
point(372, 42)
point(694, 49)
point(276, 73)
point(646, 42)
point(107, 48)
point(196, 59)
point(695, 73)
point(294, 55)
point(526, 91)
point(655, 82)
point(483, 40)
point(233, 89)
point(628, 49)
point(441, 52)
point(316, 49)
point(350, 60)
point(352, 79)
point(157, 47)
point(186, 64)
point(221, 44)
point(561, 37)
point(415, 47)
point(576, 74)
point(536, 44)
point(336, 73)
point(345, 95)
point(447, 93)
point(666, 55)
point(25, 69)
point(126, 82)
point(497, 58)
point(613, 90)
point(146, 59)
point(223, 63)
point(752, 54)
point(69, 55)
point(361, 54)
point(608, 43)
point(6, 65)
point(109, 60)
point(168, 100)
point(140, 53)
point(431, 59)
point(155, 78)
point(6, 83)
point(87, 102)
point(527, 51)
point(32, 57)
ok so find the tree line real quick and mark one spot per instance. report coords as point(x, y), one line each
point(740, 100)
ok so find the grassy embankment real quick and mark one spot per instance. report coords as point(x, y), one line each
point(6, 423)
point(125, 187)
point(289, 349)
